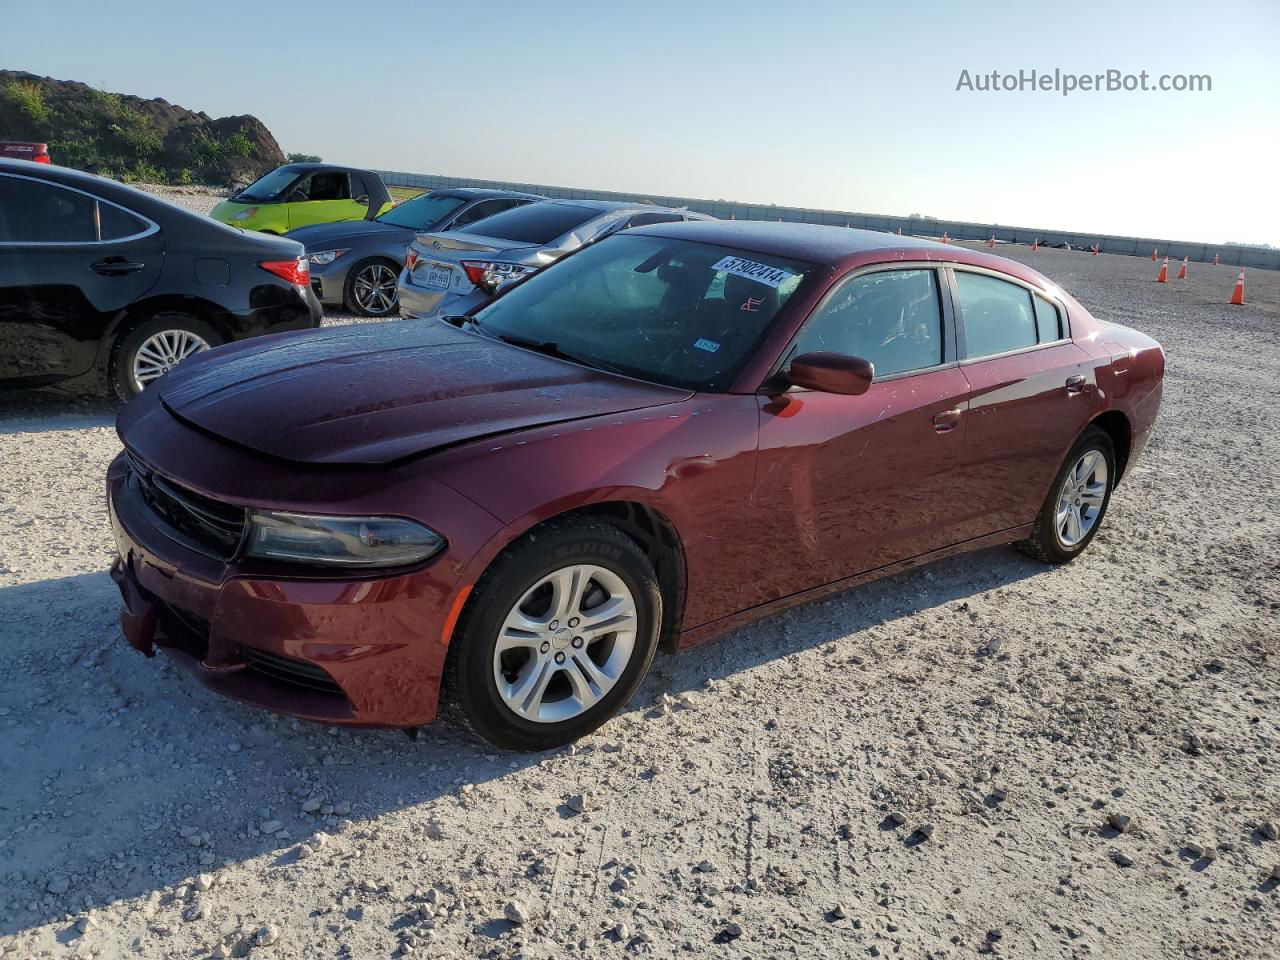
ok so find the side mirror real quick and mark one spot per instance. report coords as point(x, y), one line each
point(831, 373)
point(363, 199)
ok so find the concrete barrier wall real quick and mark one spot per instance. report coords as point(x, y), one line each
point(917, 226)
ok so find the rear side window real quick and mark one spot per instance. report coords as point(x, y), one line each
point(42, 213)
point(485, 208)
point(644, 219)
point(891, 318)
point(997, 315)
point(537, 222)
point(1048, 320)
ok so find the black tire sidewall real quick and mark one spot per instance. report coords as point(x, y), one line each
point(1093, 438)
point(348, 288)
point(121, 362)
point(473, 644)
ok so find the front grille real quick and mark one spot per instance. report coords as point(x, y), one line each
point(210, 526)
point(287, 670)
point(186, 630)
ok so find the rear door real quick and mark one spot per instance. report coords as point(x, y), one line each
point(1033, 393)
point(846, 484)
point(69, 263)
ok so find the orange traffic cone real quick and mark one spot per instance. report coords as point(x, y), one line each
point(1182, 270)
point(1164, 272)
point(945, 238)
point(1095, 249)
point(1237, 295)
point(1215, 259)
point(991, 242)
point(1153, 256)
point(1035, 245)
point(899, 231)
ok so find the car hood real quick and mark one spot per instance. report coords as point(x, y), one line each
point(327, 236)
point(377, 393)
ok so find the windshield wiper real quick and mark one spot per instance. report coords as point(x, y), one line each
point(551, 349)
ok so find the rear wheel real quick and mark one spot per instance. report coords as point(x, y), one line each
point(1072, 513)
point(371, 288)
point(152, 349)
point(556, 637)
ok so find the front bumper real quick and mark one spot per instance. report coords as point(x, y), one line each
point(358, 651)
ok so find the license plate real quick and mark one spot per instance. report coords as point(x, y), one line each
point(435, 275)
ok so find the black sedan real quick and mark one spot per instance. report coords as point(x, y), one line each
point(100, 279)
point(355, 263)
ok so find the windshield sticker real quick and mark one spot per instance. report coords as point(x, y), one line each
point(759, 272)
point(751, 305)
point(702, 343)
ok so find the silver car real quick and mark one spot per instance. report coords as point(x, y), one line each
point(446, 274)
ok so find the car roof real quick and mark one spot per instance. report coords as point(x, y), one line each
point(324, 167)
point(480, 193)
point(837, 247)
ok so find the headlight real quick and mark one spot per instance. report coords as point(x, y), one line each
point(245, 214)
point(321, 257)
point(340, 541)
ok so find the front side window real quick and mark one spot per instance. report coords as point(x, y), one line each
point(669, 311)
point(997, 315)
point(485, 208)
point(35, 212)
point(644, 219)
point(327, 185)
point(892, 318)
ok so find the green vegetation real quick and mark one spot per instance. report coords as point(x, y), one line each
point(303, 158)
point(133, 139)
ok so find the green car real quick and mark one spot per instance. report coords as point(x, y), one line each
point(300, 194)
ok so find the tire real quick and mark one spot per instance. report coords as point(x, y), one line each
point(182, 326)
point(1054, 540)
point(359, 303)
point(516, 586)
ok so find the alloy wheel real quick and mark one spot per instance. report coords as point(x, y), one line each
point(1080, 499)
point(374, 289)
point(565, 643)
point(161, 352)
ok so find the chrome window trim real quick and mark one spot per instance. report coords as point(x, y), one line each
point(152, 226)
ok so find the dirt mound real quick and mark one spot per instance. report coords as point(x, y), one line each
point(119, 135)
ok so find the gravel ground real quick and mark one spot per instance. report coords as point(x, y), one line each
point(982, 756)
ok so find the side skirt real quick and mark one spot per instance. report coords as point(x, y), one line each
point(709, 631)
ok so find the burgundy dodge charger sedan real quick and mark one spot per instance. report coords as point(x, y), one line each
point(664, 436)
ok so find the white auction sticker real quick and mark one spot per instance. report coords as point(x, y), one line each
point(759, 272)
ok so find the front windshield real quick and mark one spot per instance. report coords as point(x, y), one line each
point(269, 186)
point(669, 311)
point(422, 211)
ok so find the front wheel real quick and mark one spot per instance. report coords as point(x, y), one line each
point(1072, 513)
point(152, 349)
point(556, 637)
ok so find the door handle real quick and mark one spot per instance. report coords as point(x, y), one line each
point(116, 266)
point(1075, 385)
point(946, 421)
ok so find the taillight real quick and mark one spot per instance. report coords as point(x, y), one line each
point(42, 158)
point(475, 270)
point(410, 258)
point(297, 272)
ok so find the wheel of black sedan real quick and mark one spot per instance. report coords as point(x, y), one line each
point(371, 288)
point(1072, 512)
point(555, 638)
point(154, 348)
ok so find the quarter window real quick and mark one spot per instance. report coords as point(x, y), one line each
point(34, 212)
point(891, 318)
point(1048, 320)
point(997, 314)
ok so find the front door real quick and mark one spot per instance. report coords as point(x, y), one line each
point(846, 484)
point(69, 263)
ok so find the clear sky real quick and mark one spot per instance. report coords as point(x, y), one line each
point(842, 105)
